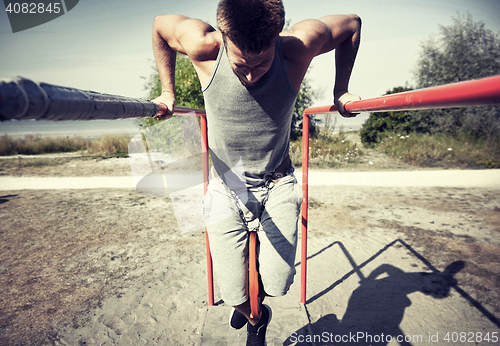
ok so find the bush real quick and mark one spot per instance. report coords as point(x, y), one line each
point(378, 123)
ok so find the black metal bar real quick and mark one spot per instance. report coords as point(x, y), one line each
point(23, 99)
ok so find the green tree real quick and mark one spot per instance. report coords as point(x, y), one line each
point(187, 87)
point(373, 129)
point(187, 84)
point(305, 99)
point(465, 50)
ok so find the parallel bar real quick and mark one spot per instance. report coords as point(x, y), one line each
point(205, 158)
point(193, 111)
point(481, 92)
point(319, 110)
point(23, 99)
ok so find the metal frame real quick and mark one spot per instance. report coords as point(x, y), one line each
point(24, 99)
point(480, 92)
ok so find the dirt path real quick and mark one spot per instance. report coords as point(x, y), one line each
point(109, 266)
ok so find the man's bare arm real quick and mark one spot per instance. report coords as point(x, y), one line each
point(345, 38)
point(345, 35)
point(336, 32)
point(174, 34)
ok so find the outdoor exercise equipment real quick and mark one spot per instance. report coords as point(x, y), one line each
point(23, 99)
point(480, 92)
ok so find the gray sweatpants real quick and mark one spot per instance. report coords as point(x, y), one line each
point(274, 209)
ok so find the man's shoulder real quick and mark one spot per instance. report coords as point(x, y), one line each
point(207, 47)
point(303, 40)
point(200, 41)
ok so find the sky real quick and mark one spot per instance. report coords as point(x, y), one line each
point(105, 46)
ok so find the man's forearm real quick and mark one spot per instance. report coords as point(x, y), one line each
point(165, 62)
point(345, 55)
point(164, 54)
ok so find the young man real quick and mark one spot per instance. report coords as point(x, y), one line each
point(250, 71)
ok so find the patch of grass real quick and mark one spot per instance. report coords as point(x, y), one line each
point(35, 145)
point(438, 150)
point(327, 150)
point(109, 146)
point(112, 146)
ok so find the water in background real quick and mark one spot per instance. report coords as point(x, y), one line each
point(62, 129)
point(128, 127)
point(338, 122)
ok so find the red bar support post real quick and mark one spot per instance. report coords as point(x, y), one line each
point(305, 193)
point(204, 149)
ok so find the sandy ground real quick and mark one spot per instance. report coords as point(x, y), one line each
point(110, 267)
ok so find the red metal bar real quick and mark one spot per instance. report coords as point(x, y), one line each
point(318, 110)
point(204, 144)
point(205, 153)
point(480, 92)
point(305, 191)
point(253, 275)
point(204, 150)
point(190, 111)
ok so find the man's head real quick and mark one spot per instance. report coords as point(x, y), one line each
point(250, 29)
point(252, 25)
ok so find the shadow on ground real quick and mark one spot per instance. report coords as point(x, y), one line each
point(377, 306)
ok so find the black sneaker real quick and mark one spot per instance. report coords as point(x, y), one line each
point(237, 320)
point(256, 335)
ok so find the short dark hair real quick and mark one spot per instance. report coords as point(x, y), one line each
point(252, 25)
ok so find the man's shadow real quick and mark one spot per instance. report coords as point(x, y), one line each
point(378, 305)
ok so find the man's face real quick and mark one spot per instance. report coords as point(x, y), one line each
point(248, 67)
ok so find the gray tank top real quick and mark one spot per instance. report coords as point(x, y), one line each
point(248, 129)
